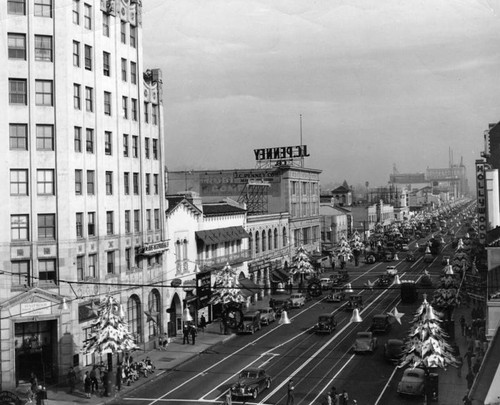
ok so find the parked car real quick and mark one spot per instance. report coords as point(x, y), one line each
point(412, 382)
point(297, 300)
point(250, 383)
point(380, 323)
point(405, 247)
point(326, 323)
point(279, 305)
point(365, 342)
point(337, 295)
point(410, 257)
point(267, 315)
point(325, 282)
point(409, 293)
point(250, 322)
point(393, 350)
point(391, 271)
point(355, 301)
point(384, 280)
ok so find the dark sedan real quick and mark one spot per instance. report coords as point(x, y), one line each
point(250, 383)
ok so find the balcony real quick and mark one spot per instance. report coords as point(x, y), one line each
point(233, 258)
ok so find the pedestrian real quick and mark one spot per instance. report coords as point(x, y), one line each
point(290, 397)
point(193, 333)
point(119, 371)
point(468, 356)
point(185, 334)
point(328, 399)
point(203, 322)
point(334, 396)
point(470, 379)
point(476, 366)
point(93, 378)
point(87, 384)
point(462, 324)
point(344, 397)
point(71, 379)
point(105, 379)
point(460, 363)
point(33, 387)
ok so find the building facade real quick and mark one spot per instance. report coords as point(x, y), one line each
point(82, 181)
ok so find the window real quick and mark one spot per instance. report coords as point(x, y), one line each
point(128, 257)
point(155, 184)
point(90, 182)
point(124, 70)
point(16, 7)
point(89, 99)
point(77, 97)
point(78, 182)
point(79, 225)
point(155, 149)
point(78, 139)
point(45, 137)
point(155, 114)
point(87, 16)
point(18, 182)
point(43, 8)
point(123, 32)
point(110, 262)
point(157, 219)
point(89, 145)
point(93, 265)
point(109, 183)
point(125, 145)
point(43, 92)
point(126, 183)
point(17, 46)
point(45, 182)
point(88, 57)
point(80, 266)
point(43, 48)
point(146, 147)
point(127, 221)
point(76, 12)
point(47, 271)
point(135, 146)
point(108, 145)
point(148, 219)
point(76, 53)
point(91, 224)
point(148, 183)
point(136, 221)
point(19, 227)
point(135, 183)
point(18, 136)
point(133, 36)
point(107, 103)
point(105, 24)
point(109, 223)
point(146, 112)
point(17, 91)
point(46, 226)
point(134, 108)
point(20, 272)
point(125, 107)
point(106, 63)
point(133, 73)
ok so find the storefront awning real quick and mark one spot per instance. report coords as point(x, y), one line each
point(221, 235)
point(279, 275)
point(248, 287)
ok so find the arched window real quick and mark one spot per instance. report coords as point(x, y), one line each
point(134, 317)
point(276, 245)
point(250, 243)
point(285, 239)
point(178, 262)
point(185, 265)
point(257, 242)
point(263, 241)
point(270, 240)
point(154, 306)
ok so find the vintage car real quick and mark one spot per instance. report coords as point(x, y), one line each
point(412, 382)
point(250, 383)
point(393, 350)
point(380, 323)
point(410, 257)
point(337, 295)
point(325, 283)
point(279, 305)
point(355, 301)
point(405, 247)
point(391, 271)
point(365, 342)
point(384, 280)
point(250, 322)
point(445, 260)
point(267, 315)
point(297, 300)
point(370, 259)
point(326, 323)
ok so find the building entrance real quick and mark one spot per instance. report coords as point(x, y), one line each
point(35, 344)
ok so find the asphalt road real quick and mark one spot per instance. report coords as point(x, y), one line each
point(315, 362)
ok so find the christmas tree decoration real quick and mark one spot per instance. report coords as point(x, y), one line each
point(301, 264)
point(370, 284)
point(227, 287)
point(396, 315)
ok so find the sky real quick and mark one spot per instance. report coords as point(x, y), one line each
point(380, 85)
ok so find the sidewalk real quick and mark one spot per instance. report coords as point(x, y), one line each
point(164, 361)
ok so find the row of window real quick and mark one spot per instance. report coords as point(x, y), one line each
point(42, 8)
point(306, 188)
point(304, 209)
point(267, 240)
point(151, 183)
point(21, 274)
point(44, 182)
point(17, 47)
point(44, 92)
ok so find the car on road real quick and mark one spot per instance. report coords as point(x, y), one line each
point(445, 260)
point(410, 257)
point(412, 382)
point(380, 323)
point(297, 300)
point(391, 271)
point(337, 295)
point(393, 350)
point(326, 323)
point(250, 322)
point(325, 283)
point(267, 315)
point(405, 247)
point(365, 342)
point(355, 302)
point(279, 305)
point(250, 383)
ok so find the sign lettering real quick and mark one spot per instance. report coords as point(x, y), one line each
point(282, 153)
point(481, 200)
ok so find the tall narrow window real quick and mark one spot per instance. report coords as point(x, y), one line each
point(44, 92)
point(135, 183)
point(106, 63)
point(146, 147)
point(43, 48)
point(87, 16)
point(126, 183)
point(78, 181)
point(155, 114)
point(18, 136)
point(146, 112)
point(80, 267)
point(135, 146)
point(125, 145)
point(79, 225)
point(127, 221)
point(133, 36)
point(137, 218)
point(133, 73)
point(77, 96)
point(148, 219)
point(108, 142)
point(110, 227)
point(76, 12)
point(148, 184)
point(92, 266)
point(17, 46)
point(46, 226)
point(17, 91)
point(124, 70)
point(105, 24)
point(18, 182)
point(88, 57)
point(110, 262)
point(78, 139)
point(157, 219)
point(43, 8)
point(125, 107)
point(155, 184)
point(91, 224)
point(89, 99)
point(76, 53)
point(109, 183)
point(45, 137)
point(45, 182)
point(16, 7)
point(90, 182)
point(155, 149)
point(133, 108)
point(107, 103)
point(123, 32)
point(89, 144)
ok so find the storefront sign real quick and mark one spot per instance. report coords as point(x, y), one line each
point(203, 288)
point(36, 308)
point(481, 168)
point(150, 249)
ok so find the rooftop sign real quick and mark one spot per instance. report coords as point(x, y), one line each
point(282, 155)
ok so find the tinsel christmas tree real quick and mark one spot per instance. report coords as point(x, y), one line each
point(356, 246)
point(301, 264)
point(426, 346)
point(110, 332)
point(227, 288)
point(344, 251)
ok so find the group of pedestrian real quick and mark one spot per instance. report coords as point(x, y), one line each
point(163, 341)
point(187, 331)
point(98, 375)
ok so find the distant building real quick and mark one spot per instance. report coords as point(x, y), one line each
point(342, 195)
point(335, 223)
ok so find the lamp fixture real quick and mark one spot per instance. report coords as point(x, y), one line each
point(284, 320)
point(186, 316)
point(356, 317)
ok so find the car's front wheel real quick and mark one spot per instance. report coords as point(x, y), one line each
point(255, 393)
point(268, 384)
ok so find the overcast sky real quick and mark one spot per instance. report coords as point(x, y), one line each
point(378, 82)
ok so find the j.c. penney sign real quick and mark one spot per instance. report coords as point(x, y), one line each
point(281, 153)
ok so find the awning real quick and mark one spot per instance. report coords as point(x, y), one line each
point(279, 275)
point(221, 235)
point(248, 287)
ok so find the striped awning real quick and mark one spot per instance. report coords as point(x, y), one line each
point(221, 235)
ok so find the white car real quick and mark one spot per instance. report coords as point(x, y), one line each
point(391, 271)
point(405, 247)
point(297, 300)
point(413, 382)
point(325, 283)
